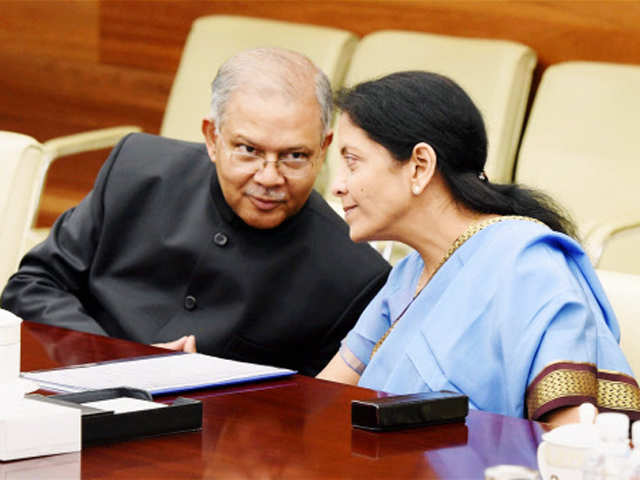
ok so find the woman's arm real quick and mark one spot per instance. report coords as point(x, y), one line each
point(338, 371)
point(561, 416)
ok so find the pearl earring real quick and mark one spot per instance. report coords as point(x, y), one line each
point(416, 190)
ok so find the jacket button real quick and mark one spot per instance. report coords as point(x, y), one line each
point(220, 239)
point(189, 302)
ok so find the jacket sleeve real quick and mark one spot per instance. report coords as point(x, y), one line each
point(51, 284)
point(347, 320)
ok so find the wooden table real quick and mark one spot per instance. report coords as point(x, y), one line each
point(297, 427)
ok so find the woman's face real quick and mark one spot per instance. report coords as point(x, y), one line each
point(373, 186)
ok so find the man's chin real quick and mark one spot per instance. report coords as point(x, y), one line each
point(264, 220)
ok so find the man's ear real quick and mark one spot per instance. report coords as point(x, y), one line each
point(209, 133)
point(423, 164)
point(327, 140)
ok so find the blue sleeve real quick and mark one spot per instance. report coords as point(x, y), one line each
point(376, 319)
point(566, 333)
point(372, 324)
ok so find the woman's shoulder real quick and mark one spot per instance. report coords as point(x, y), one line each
point(528, 251)
point(520, 234)
point(403, 272)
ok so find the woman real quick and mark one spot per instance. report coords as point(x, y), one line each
point(498, 301)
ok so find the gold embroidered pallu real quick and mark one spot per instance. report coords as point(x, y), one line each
point(564, 384)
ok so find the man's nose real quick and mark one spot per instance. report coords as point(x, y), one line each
point(268, 174)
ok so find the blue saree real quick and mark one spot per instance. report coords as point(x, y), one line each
point(516, 319)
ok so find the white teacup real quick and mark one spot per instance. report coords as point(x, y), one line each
point(563, 451)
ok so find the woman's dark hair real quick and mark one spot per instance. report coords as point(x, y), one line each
point(403, 109)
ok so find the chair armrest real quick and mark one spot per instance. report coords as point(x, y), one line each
point(86, 141)
point(59, 147)
point(597, 237)
point(31, 238)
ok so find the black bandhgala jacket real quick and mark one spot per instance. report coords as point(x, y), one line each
point(154, 252)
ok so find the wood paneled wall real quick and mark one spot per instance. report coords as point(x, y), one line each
point(73, 65)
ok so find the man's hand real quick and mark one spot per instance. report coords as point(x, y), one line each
point(183, 344)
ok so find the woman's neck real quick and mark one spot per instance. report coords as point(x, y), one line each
point(434, 224)
point(434, 242)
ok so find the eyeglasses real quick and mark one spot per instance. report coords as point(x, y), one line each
point(248, 159)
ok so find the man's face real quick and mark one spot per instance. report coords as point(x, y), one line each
point(272, 127)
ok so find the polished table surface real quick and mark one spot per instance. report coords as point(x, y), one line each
point(297, 427)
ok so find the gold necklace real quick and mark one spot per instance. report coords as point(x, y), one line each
point(471, 230)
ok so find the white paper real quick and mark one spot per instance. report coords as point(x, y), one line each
point(124, 404)
point(157, 374)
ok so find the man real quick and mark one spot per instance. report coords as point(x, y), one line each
point(226, 247)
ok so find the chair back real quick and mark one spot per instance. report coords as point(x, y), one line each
point(495, 73)
point(213, 39)
point(581, 146)
point(623, 291)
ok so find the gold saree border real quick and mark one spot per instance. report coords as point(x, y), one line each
point(563, 384)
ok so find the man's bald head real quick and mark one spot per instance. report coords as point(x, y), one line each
point(270, 71)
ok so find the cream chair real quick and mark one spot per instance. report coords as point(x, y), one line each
point(215, 38)
point(495, 73)
point(623, 290)
point(581, 146)
point(23, 164)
